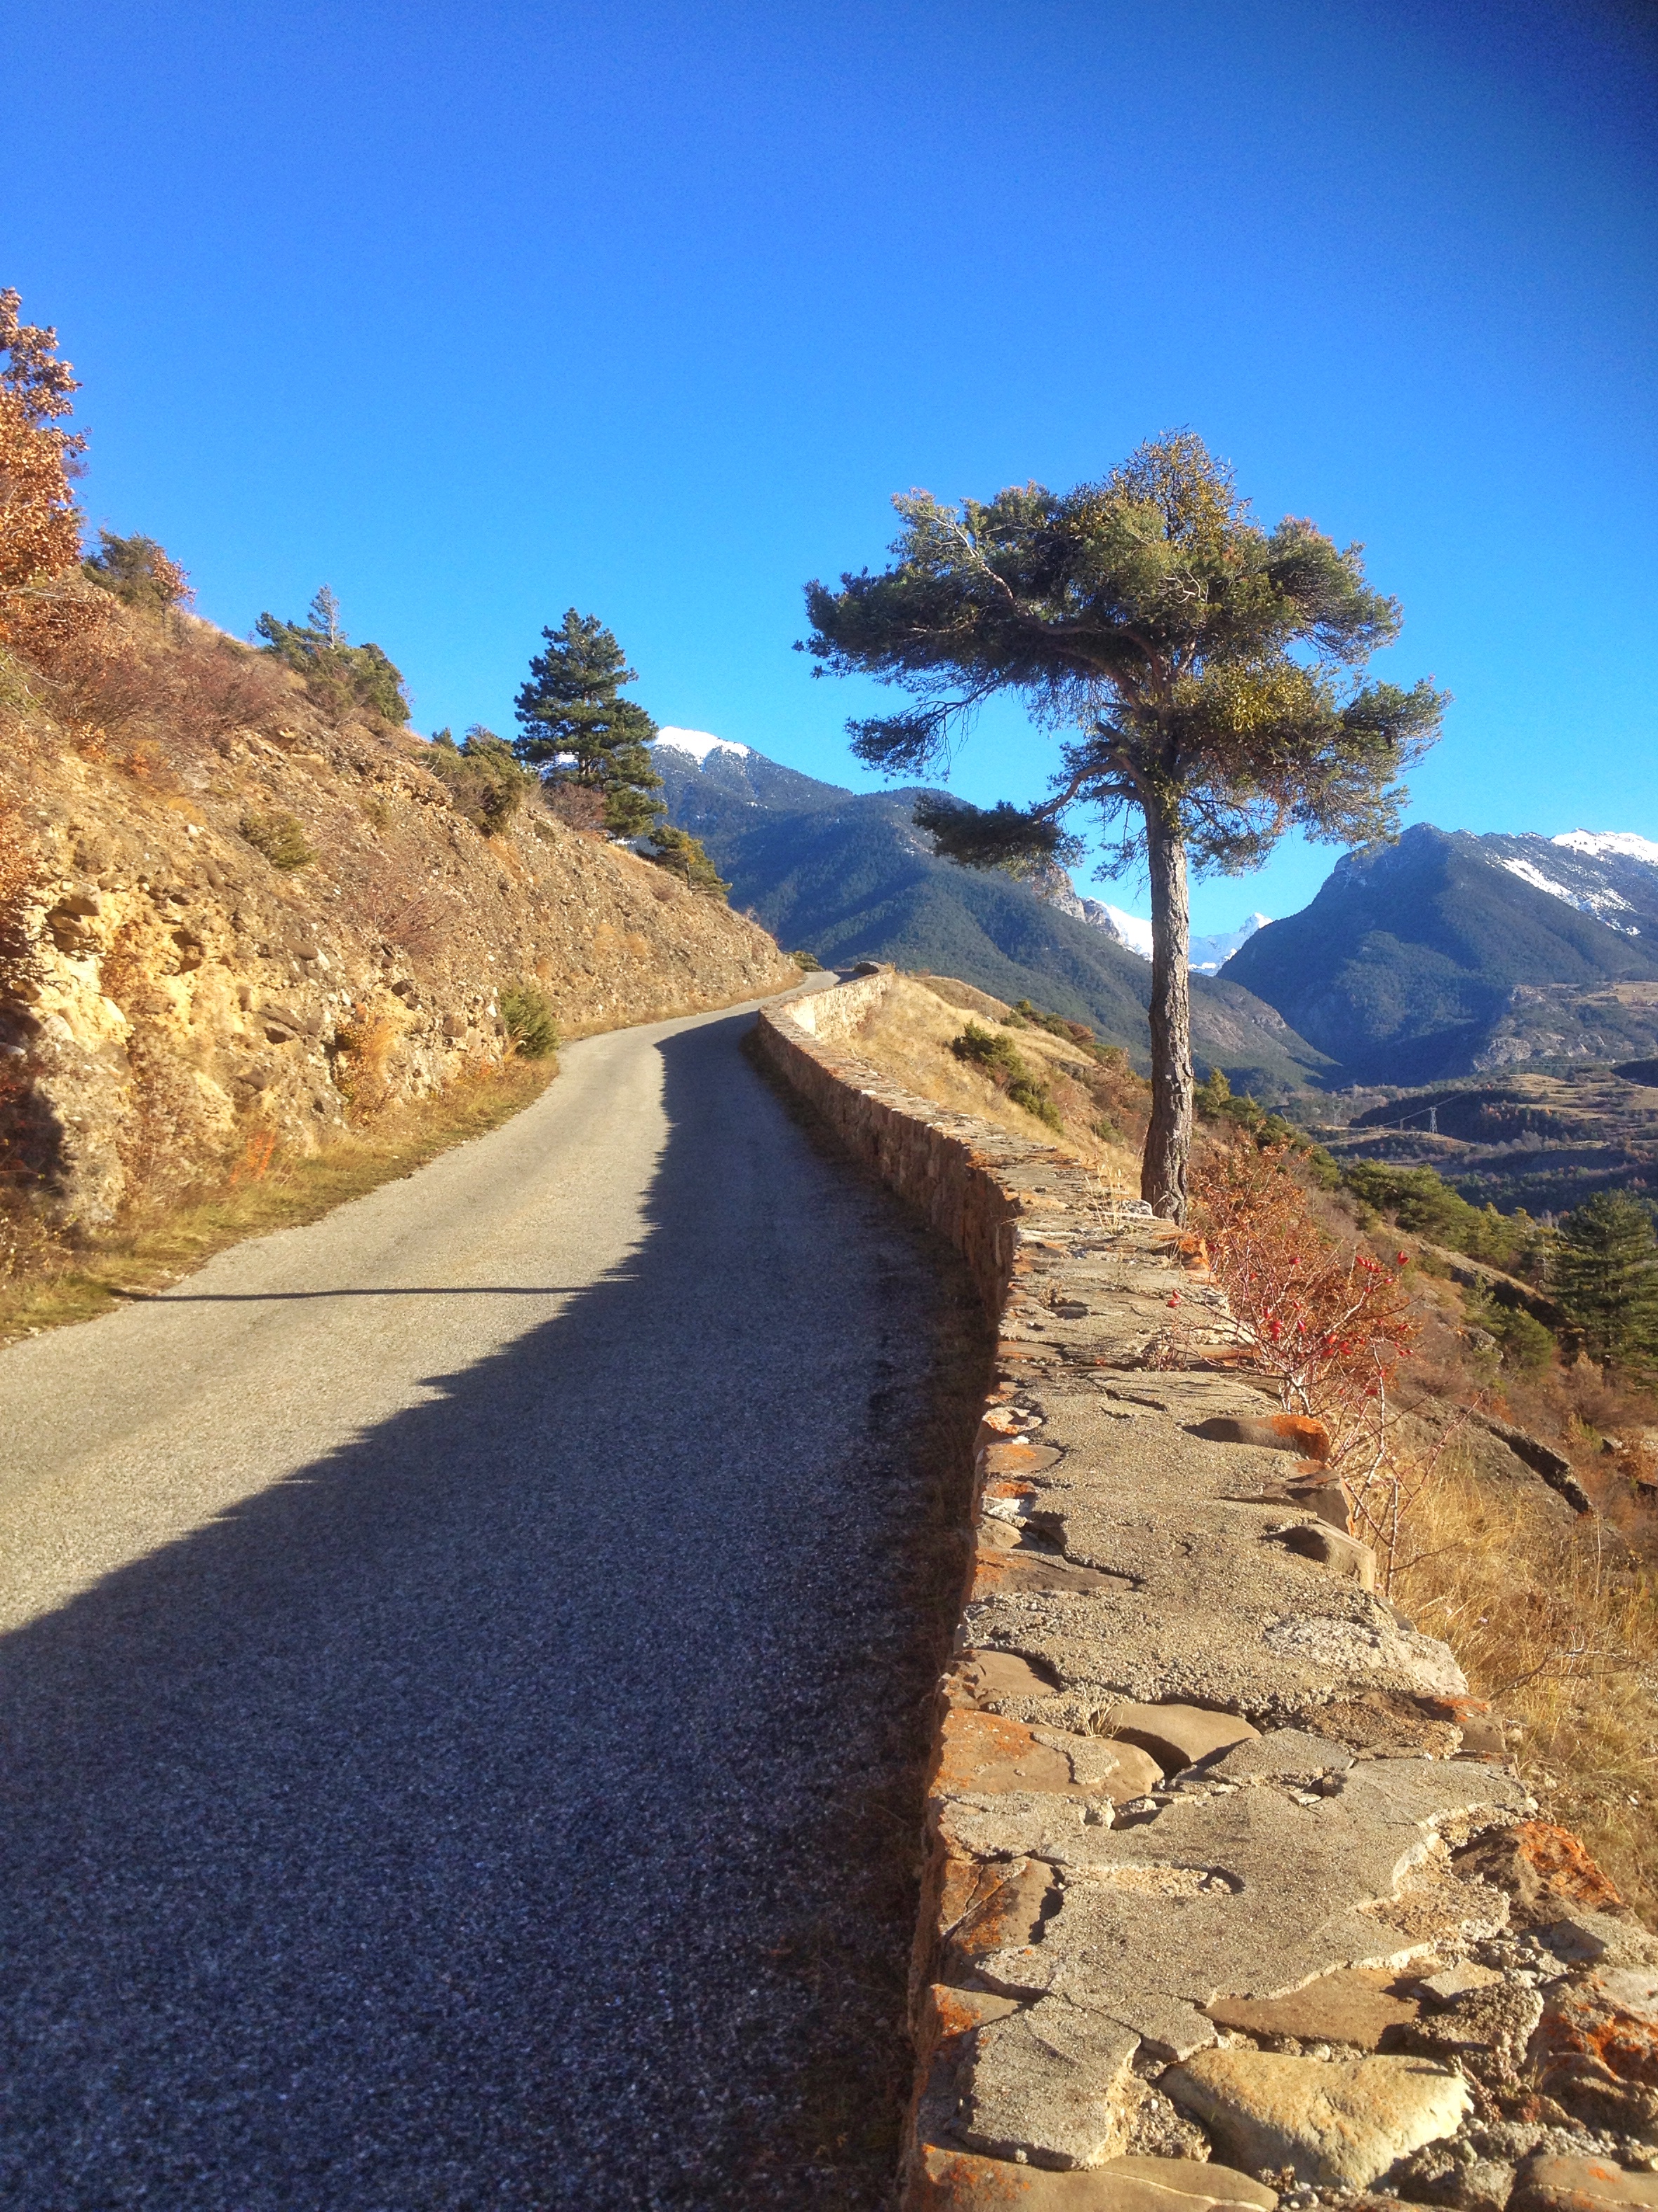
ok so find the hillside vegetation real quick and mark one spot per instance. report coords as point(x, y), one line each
point(848, 876)
point(246, 916)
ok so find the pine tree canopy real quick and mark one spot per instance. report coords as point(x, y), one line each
point(1204, 675)
point(575, 727)
point(1606, 1277)
point(341, 677)
point(1205, 664)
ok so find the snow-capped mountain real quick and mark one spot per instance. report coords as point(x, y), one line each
point(1612, 874)
point(1207, 955)
point(699, 744)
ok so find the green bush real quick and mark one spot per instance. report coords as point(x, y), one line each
point(1527, 1344)
point(1604, 1274)
point(529, 1021)
point(807, 963)
point(138, 572)
point(280, 837)
point(683, 855)
point(482, 777)
point(1422, 1201)
point(341, 678)
point(1007, 1068)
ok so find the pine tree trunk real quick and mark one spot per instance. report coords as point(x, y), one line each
point(1169, 1139)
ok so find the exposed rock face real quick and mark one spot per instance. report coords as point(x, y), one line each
point(168, 992)
point(1325, 1940)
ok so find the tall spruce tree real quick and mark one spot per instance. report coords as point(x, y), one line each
point(1604, 1276)
point(1206, 672)
point(576, 727)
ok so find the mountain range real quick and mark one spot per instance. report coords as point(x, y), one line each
point(847, 876)
point(1445, 956)
point(1449, 955)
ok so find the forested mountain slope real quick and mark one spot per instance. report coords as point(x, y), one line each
point(1449, 954)
point(847, 876)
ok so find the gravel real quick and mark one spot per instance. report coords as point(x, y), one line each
point(445, 1650)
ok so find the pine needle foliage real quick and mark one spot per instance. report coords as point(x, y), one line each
point(341, 678)
point(1604, 1276)
point(683, 855)
point(138, 572)
point(529, 1021)
point(1008, 1069)
point(576, 728)
point(1204, 675)
point(482, 776)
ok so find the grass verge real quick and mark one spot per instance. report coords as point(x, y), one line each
point(1558, 1625)
point(266, 1190)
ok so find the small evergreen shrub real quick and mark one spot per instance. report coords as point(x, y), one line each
point(807, 963)
point(138, 572)
point(482, 776)
point(1008, 1069)
point(529, 1021)
point(280, 837)
point(341, 678)
point(683, 855)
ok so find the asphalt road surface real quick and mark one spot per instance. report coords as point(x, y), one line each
point(439, 1648)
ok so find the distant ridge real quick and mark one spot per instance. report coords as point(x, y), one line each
point(847, 876)
point(1449, 954)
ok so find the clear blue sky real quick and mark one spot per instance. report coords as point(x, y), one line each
point(479, 312)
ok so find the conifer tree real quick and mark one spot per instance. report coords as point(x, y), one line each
point(576, 728)
point(341, 677)
point(1205, 671)
point(1606, 1277)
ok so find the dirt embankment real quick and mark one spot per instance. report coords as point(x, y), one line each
point(171, 997)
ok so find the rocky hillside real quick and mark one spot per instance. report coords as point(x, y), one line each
point(233, 921)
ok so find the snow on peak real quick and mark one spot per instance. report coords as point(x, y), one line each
point(1128, 929)
point(1597, 844)
point(1208, 955)
point(1205, 954)
point(699, 744)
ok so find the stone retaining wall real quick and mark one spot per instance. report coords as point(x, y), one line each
point(1230, 1893)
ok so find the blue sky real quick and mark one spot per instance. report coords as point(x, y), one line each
point(478, 312)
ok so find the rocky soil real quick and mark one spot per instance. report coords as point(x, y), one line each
point(172, 998)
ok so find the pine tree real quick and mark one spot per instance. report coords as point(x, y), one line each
point(1208, 673)
point(343, 678)
point(1606, 1279)
point(576, 727)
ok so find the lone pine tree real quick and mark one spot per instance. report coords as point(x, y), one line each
point(577, 728)
point(1204, 672)
point(1604, 1276)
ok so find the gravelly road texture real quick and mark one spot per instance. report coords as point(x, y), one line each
point(442, 1647)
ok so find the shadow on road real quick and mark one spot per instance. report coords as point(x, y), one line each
point(463, 1819)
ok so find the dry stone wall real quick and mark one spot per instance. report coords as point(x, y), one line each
point(1230, 1895)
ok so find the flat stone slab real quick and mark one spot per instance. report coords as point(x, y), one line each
point(1333, 2123)
point(1250, 1892)
point(1177, 1736)
point(1357, 2007)
point(952, 2181)
point(1582, 2184)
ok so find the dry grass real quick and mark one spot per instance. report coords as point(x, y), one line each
point(908, 1036)
point(266, 1190)
point(1557, 1626)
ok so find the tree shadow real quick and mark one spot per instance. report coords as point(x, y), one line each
point(433, 1827)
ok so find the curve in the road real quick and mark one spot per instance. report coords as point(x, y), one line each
point(446, 1648)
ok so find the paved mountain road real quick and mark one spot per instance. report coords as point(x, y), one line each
point(439, 1648)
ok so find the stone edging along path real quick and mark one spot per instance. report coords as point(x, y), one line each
point(1229, 1894)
